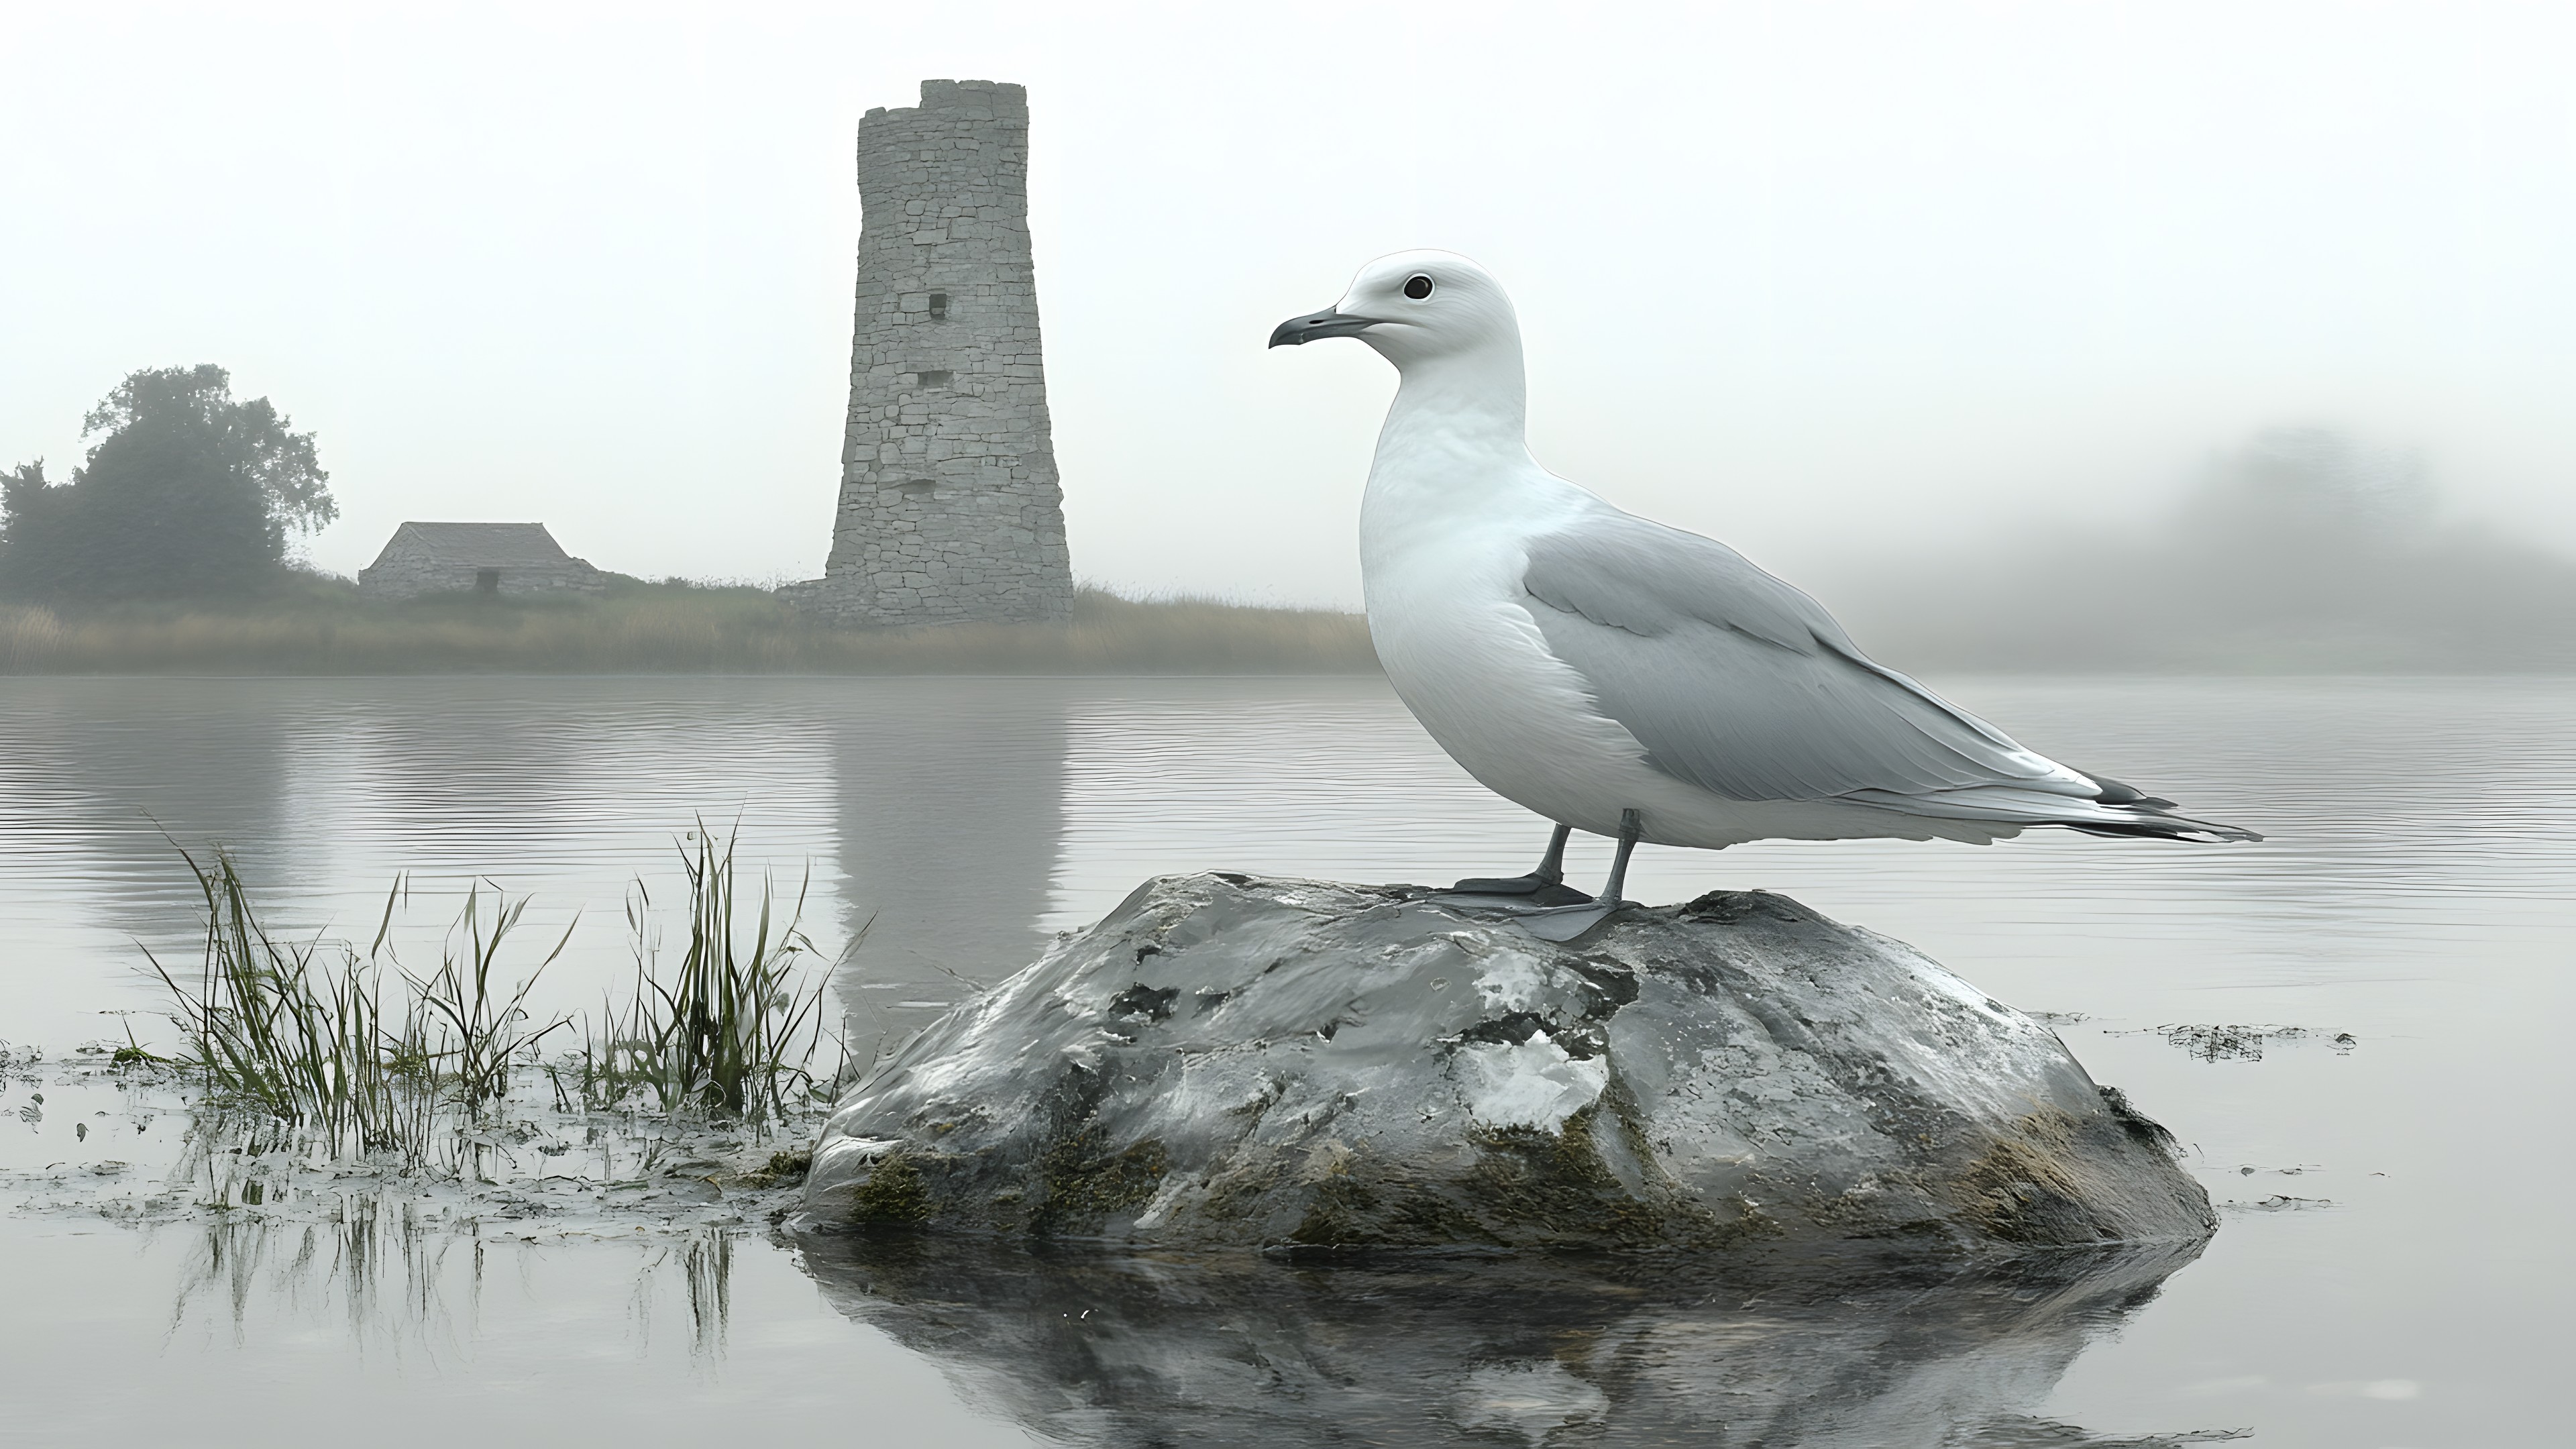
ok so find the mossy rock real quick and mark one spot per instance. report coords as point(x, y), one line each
point(1233, 1061)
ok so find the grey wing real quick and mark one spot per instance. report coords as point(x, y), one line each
point(1743, 686)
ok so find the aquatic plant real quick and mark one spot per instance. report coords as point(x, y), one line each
point(479, 1031)
point(297, 1030)
point(736, 1028)
point(302, 1031)
point(356, 1054)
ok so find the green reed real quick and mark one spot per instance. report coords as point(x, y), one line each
point(735, 1029)
point(352, 1049)
point(358, 1054)
point(297, 1029)
point(480, 1031)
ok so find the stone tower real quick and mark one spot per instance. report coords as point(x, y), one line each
point(950, 510)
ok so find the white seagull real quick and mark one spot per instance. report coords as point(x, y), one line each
point(1632, 680)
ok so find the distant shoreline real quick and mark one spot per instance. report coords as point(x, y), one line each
point(326, 630)
point(640, 628)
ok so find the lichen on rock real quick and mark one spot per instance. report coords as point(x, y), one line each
point(1234, 1061)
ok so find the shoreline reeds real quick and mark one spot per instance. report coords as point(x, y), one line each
point(665, 628)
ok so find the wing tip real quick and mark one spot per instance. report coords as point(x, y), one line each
point(2153, 817)
point(2156, 825)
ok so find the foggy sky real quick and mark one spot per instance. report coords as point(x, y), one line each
point(1808, 278)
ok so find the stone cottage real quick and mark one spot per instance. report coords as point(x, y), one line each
point(517, 559)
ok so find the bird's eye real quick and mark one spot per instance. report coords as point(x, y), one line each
point(1417, 286)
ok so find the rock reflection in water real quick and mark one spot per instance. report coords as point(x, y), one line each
point(1171, 1350)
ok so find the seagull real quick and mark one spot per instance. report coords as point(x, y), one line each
point(1627, 679)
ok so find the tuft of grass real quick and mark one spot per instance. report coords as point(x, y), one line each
point(351, 1053)
point(480, 1032)
point(735, 1030)
point(668, 627)
point(297, 1030)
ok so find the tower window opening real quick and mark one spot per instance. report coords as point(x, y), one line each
point(939, 306)
point(920, 488)
point(937, 378)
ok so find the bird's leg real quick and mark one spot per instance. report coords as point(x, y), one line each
point(1547, 881)
point(1631, 825)
point(1564, 923)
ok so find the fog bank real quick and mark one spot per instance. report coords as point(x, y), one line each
point(2303, 549)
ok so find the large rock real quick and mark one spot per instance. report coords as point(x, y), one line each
point(1232, 1061)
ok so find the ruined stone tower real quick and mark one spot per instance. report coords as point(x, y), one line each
point(950, 509)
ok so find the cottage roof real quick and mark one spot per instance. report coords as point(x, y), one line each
point(474, 545)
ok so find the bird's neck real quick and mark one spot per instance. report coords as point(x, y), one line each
point(1469, 403)
point(1457, 424)
point(1453, 456)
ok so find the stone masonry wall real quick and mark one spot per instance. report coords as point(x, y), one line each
point(411, 578)
point(950, 509)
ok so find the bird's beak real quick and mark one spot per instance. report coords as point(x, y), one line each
point(1331, 322)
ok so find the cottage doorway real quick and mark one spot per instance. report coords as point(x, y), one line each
point(487, 581)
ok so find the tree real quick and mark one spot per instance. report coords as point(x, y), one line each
point(186, 493)
point(2308, 492)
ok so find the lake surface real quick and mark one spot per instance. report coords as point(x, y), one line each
point(2392, 1268)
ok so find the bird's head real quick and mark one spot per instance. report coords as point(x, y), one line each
point(1413, 307)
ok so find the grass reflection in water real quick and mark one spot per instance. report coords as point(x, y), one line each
point(396, 1276)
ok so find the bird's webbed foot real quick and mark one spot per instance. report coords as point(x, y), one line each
point(1521, 890)
point(1544, 886)
point(1542, 903)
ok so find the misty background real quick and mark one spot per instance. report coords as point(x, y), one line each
point(1939, 311)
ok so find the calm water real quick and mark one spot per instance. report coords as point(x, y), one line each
point(2394, 1275)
